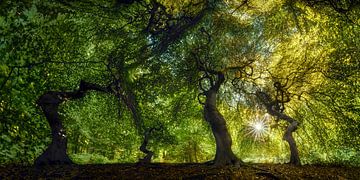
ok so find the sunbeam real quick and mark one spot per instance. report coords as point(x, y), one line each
point(258, 128)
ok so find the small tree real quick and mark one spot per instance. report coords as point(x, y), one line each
point(276, 107)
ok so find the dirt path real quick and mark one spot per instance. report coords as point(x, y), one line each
point(179, 171)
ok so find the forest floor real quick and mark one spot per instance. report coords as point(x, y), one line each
point(179, 171)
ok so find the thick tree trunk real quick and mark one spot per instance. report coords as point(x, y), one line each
point(224, 154)
point(56, 151)
point(49, 103)
point(288, 137)
point(294, 153)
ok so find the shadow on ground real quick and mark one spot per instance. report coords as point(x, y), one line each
point(179, 171)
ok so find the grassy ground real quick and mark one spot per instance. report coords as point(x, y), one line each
point(179, 171)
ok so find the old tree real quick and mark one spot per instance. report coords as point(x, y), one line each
point(180, 81)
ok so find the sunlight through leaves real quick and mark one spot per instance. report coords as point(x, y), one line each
point(259, 127)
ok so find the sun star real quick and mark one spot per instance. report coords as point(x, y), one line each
point(258, 128)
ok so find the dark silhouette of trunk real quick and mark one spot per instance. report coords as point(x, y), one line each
point(129, 98)
point(149, 154)
point(56, 151)
point(224, 154)
point(288, 137)
point(49, 103)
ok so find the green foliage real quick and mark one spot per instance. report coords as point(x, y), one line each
point(52, 45)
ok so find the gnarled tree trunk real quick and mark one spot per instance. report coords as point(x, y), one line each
point(149, 154)
point(294, 153)
point(49, 103)
point(224, 154)
point(288, 137)
point(56, 151)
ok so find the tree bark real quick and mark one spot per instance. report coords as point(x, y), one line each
point(149, 154)
point(288, 137)
point(224, 154)
point(294, 153)
point(49, 103)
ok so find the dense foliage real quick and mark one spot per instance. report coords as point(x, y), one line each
point(147, 51)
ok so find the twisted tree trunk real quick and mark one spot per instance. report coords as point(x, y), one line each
point(56, 151)
point(149, 154)
point(224, 154)
point(294, 153)
point(288, 137)
point(49, 103)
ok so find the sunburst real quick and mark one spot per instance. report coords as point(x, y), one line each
point(259, 127)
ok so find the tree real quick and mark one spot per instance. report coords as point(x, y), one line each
point(276, 108)
point(49, 103)
point(224, 154)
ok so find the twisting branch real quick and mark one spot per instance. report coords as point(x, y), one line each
point(217, 77)
point(199, 98)
point(59, 97)
point(178, 25)
point(282, 96)
point(214, 77)
point(203, 78)
point(242, 74)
